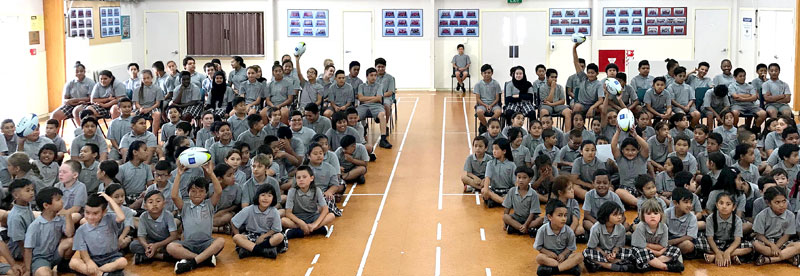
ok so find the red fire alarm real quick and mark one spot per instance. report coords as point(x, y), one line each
point(33, 52)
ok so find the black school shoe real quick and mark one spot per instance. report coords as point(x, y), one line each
point(321, 231)
point(675, 266)
point(575, 270)
point(582, 238)
point(243, 253)
point(271, 253)
point(544, 270)
point(114, 273)
point(385, 144)
point(293, 233)
point(590, 266)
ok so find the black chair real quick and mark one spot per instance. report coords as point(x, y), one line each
point(453, 80)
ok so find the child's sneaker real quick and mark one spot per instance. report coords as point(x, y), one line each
point(282, 248)
point(796, 260)
point(372, 157)
point(361, 180)
point(212, 261)
point(114, 273)
point(385, 144)
point(590, 266)
point(184, 265)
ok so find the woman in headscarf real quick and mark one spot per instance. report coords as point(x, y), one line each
point(220, 96)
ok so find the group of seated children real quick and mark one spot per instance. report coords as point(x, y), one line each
point(273, 176)
point(724, 194)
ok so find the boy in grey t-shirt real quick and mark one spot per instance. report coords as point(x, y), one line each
point(488, 96)
point(461, 65)
point(156, 229)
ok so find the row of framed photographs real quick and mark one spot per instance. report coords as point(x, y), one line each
point(456, 23)
point(402, 32)
point(570, 21)
point(458, 31)
point(308, 32)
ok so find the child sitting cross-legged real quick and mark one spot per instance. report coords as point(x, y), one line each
point(48, 241)
point(95, 243)
point(306, 210)
point(525, 202)
point(257, 228)
point(723, 241)
point(773, 227)
point(606, 248)
point(555, 242)
point(681, 222)
point(156, 229)
point(650, 240)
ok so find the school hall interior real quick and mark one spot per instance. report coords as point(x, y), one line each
point(411, 213)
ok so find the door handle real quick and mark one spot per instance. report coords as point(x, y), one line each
point(174, 52)
point(776, 56)
point(347, 52)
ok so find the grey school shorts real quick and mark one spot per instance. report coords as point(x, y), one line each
point(780, 107)
point(495, 108)
point(36, 263)
point(679, 110)
point(196, 246)
point(746, 109)
point(369, 110)
point(553, 109)
point(308, 217)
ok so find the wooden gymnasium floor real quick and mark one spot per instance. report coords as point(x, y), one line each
point(411, 217)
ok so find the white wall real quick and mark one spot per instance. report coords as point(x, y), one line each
point(28, 71)
point(424, 63)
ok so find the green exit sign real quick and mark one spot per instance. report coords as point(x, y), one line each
point(514, 1)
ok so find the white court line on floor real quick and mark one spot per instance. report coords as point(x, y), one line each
point(350, 193)
point(438, 261)
point(457, 194)
point(483, 235)
point(439, 232)
point(330, 231)
point(488, 272)
point(314, 261)
point(477, 199)
point(367, 194)
point(441, 161)
point(466, 124)
point(308, 272)
point(386, 193)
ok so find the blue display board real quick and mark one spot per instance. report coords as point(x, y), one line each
point(307, 23)
point(459, 22)
point(402, 23)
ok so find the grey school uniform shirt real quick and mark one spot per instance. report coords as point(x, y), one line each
point(685, 225)
point(360, 154)
point(115, 89)
point(501, 173)
point(134, 178)
point(256, 221)
point(681, 93)
point(488, 92)
point(76, 89)
point(696, 81)
point(150, 95)
point(642, 82)
point(593, 201)
point(320, 126)
point(717, 103)
point(251, 91)
point(773, 226)
point(250, 187)
point(658, 101)
point(461, 61)
point(556, 242)
point(99, 240)
point(736, 88)
point(19, 218)
point(600, 237)
point(644, 235)
point(310, 93)
point(722, 230)
point(158, 229)
point(341, 95)
point(279, 91)
point(305, 204)
point(629, 169)
point(723, 79)
point(32, 148)
point(523, 205)
point(43, 236)
point(238, 76)
point(658, 149)
point(590, 91)
point(689, 162)
point(197, 221)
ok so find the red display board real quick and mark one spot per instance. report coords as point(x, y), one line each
point(607, 57)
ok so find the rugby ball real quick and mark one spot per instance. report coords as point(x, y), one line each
point(194, 157)
point(613, 86)
point(578, 37)
point(625, 119)
point(300, 49)
point(27, 125)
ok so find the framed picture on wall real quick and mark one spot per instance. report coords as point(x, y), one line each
point(666, 21)
point(307, 23)
point(110, 22)
point(458, 25)
point(569, 21)
point(404, 23)
point(617, 21)
point(80, 22)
